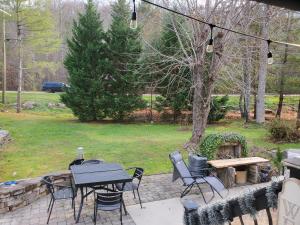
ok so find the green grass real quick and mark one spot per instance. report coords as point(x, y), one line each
point(270, 100)
point(45, 140)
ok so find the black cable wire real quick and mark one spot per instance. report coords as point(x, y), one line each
point(223, 28)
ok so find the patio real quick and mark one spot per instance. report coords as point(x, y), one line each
point(158, 194)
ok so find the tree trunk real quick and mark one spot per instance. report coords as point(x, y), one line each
point(254, 113)
point(247, 83)
point(201, 108)
point(20, 74)
point(280, 102)
point(282, 72)
point(262, 71)
point(4, 64)
point(298, 117)
point(241, 106)
point(203, 83)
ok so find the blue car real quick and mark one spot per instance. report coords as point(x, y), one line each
point(54, 87)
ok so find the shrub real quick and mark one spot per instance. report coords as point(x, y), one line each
point(211, 143)
point(218, 108)
point(277, 160)
point(282, 131)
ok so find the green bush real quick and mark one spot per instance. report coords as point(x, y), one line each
point(218, 108)
point(212, 142)
point(277, 160)
point(282, 131)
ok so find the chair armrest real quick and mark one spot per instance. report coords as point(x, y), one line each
point(130, 168)
point(204, 169)
point(194, 177)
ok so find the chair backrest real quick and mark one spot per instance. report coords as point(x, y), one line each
point(76, 162)
point(109, 198)
point(46, 180)
point(181, 168)
point(92, 161)
point(138, 174)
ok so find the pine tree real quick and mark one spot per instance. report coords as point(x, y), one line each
point(88, 67)
point(125, 48)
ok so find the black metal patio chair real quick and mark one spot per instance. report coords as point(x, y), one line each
point(135, 184)
point(181, 171)
point(109, 201)
point(75, 162)
point(59, 192)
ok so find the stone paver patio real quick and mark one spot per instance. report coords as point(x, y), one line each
point(153, 188)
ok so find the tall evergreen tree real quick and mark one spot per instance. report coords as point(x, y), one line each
point(125, 48)
point(88, 66)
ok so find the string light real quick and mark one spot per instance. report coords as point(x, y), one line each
point(210, 43)
point(133, 22)
point(270, 56)
point(210, 46)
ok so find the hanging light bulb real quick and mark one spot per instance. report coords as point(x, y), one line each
point(210, 46)
point(133, 22)
point(270, 56)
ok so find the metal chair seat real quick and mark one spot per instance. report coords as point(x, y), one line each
point(128, 187)
point(108, 207)
point(65, 193)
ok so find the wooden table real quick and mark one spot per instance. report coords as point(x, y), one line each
point(226, 168)
point(225, 163)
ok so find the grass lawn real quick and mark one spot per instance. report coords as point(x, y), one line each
point(46, 140)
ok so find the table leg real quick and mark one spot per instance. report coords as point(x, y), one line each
point(125, 210)
point(81, 204)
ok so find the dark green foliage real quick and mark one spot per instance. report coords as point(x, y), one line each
point(212, 142)
point(88, 66)
point(125, 48)
point(277, 160)
point(282, 131)
point(173, 81)
point(218, 108)
point(101, 68)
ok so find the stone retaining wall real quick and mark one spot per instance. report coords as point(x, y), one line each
point(27, 191)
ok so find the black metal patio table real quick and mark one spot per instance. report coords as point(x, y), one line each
point(91, 175)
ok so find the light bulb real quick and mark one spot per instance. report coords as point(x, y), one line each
point(270, 58)
point(133, 22)
point(210, 46)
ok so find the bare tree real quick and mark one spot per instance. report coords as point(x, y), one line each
point(262, 71)
point(283, 65)
point(204, 67)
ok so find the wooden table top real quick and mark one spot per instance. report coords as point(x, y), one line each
point(224, 163)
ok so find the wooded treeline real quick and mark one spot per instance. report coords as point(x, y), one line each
point(40, 66)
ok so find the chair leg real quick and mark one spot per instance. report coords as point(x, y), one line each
point(50, 211)
point(121, 219)
point(202, 193)
point(133, 193)
point(186, 191)
point(49, 204)
point(86, 191)
point(73, 203)
point(95, 214)
point(137, 190)
point(241, 220)
point(124, 207)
